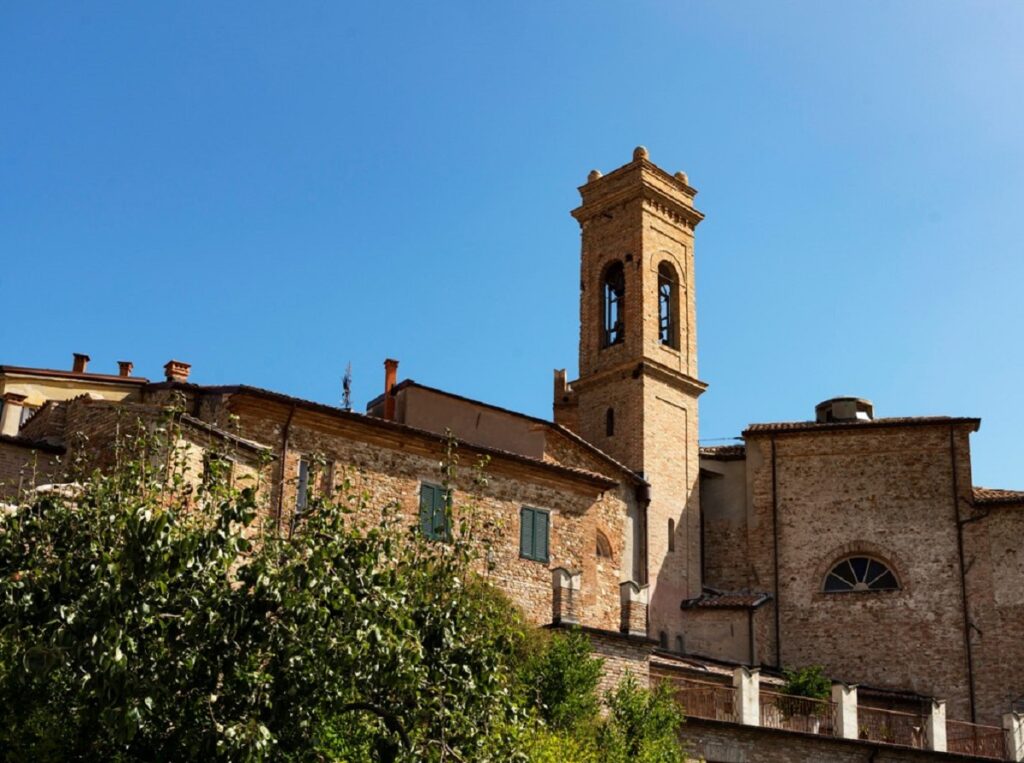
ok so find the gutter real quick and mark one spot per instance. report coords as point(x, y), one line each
point(963, 573)
point(775, 559)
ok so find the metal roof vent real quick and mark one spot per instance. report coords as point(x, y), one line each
point(844, 409)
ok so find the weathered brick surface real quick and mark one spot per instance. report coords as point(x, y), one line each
point(730, 743)
point(886, 493)
point(22, 468)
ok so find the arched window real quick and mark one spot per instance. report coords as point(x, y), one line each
point(860, 573)
point(671, 535)
point(603, 547)
point(609, 422)
point(668, 299)
point(613, 295)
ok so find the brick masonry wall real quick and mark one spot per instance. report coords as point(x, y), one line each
point(22, 468)
point(622, 657)
point(393, 475)
point(884, 492)
point(731, 743)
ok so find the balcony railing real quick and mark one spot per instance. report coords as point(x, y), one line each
point(704, 699)
point(803, 714)
point(974, 739)
point(891, 727)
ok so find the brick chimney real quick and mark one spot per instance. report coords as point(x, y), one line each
point(633, 599)
point(10, 416)
point(124, 367)
point(176, 371)
point(565, 596)
point(80, 363)
point(390, 378)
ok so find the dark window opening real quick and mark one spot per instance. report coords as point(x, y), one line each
point(435, 512)
point(671, 535)
point(609, 422)
point(668, 289)
point(679, 645)
point(533, 534)
point(860, 573)
point(663, 640)
point(613, 297)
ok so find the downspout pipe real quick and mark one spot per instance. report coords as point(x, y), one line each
point(285, 433)
point(775, 559)
point(963, 571)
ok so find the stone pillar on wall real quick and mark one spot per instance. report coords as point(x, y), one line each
point(845, 698)
point(10, 415)
point(747, 682)
point(565, 596)
point(1013, 723)
point(633, 598)
point(935, 726)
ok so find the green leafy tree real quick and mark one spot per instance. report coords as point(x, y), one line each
point(142, 618)
point(810, 682)
point(643, 725)
point(561, 679)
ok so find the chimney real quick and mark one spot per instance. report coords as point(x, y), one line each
point(10, 416)
point(124, 367)
point(633, 598)
point(176, 371)
point(565, 595)
point(80, 364)
point(390, 377)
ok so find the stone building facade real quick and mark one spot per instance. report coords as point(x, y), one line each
point(848, 541)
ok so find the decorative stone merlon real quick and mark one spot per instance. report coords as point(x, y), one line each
point(845, 698)
point(747, 682)
point(1013, 723)
point(935, 726)
point(565, 595)
point(640, 153)
point(634, 599)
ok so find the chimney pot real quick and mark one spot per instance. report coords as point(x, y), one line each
point(10, 416)
point(390, 378)
point(124, 367)
point(81, 362)
point(176, 371)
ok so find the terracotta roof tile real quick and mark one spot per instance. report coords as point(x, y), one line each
point(895, 421)
point(724, 452)
point(990, 495)
point(727, 601)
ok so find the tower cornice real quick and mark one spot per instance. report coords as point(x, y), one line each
point(645, 367)
point(640, 178)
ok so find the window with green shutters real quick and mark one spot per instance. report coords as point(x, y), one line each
point(534, 525)
point(434, 520)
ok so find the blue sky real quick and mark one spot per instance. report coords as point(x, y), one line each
point(270, 191)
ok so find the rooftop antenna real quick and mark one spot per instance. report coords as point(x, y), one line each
point(346, 388)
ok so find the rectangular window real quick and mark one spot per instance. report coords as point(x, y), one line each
point(533, 534)
point(435, 522)
point(302, 492)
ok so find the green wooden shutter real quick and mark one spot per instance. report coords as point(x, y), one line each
point(440, 513)
point(526, 533)
point(427, 510)
point(540, 536)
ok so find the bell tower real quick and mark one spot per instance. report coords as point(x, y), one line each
point(636, 396)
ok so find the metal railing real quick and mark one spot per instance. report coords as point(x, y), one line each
point(891, 727)
point(974, 739)
point(705, 699)
point(803, 714)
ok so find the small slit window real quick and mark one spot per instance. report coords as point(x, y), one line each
point(613, 293)
point(609, 422)
point(603, 547)
point(860, 573)
point(671, 535)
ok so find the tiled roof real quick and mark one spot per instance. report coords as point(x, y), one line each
point(724, 452)
point(988, 495)
point(83, 376)
point(727, 601)
point(373, 421)
point(896, 421)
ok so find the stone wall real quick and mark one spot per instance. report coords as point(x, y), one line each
point(885, 492)
point(23, 467)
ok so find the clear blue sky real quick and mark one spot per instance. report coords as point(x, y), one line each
point(272, 190)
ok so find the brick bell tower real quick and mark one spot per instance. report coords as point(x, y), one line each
point(636, 396)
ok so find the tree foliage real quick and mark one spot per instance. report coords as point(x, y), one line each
point(147, 616)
